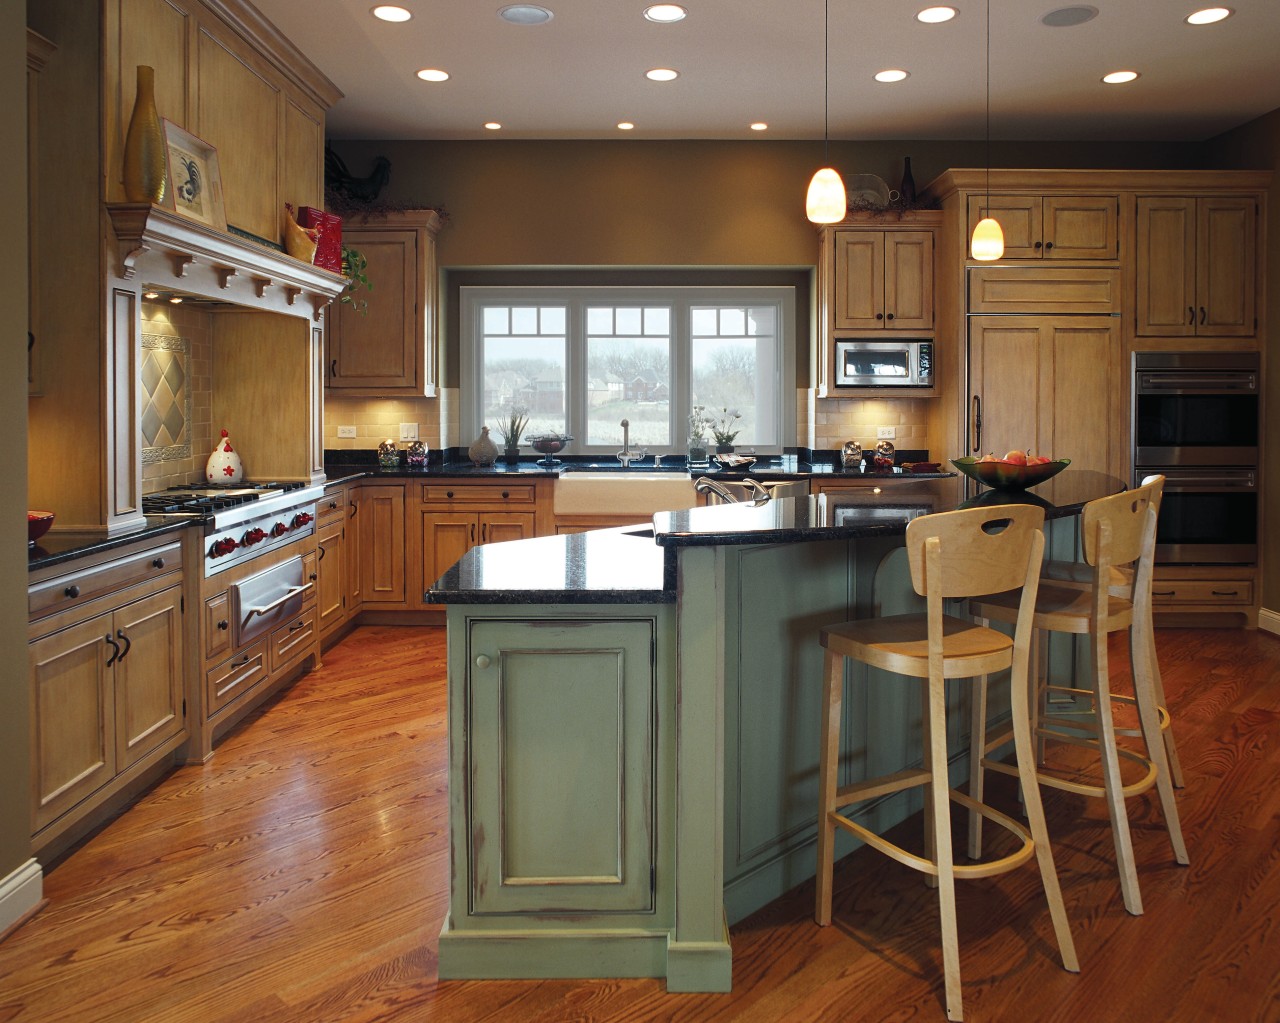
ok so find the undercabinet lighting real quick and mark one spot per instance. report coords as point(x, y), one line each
point(665, 13)
point(661, 74)
point(1209, 15)
point(388, 12)
point(625, 125)
point(175, 299)
point(891, 75)
point(936, 15)
point(492, 125)
point(1120, 77)
point(759, 126)
point(151, 294)
point(430, 74)
point(525, 14)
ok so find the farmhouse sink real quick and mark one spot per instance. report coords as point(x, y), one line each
point(617, 467)
point(635, 492)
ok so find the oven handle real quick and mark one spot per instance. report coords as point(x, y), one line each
point(1216, 481)
point(292, 592)
point(1197, 383)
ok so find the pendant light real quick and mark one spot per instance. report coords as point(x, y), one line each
point(826, 202)
point(988, 240)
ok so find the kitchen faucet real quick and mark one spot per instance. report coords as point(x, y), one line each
point(626, 456)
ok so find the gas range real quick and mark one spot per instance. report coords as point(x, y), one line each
point(241, 521)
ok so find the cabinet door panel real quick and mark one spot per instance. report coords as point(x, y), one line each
point(446, 536)
point(1020, 219)
point(579, 837)
point(149, 675)
point(72, 714)
point(382, 539)
point(1004, 375)
point(1081, 227)
point(375, 348)
point(1166, 266)
point(908, 280)
point(1225, 272)
point(496, 527)
point(331, 585)
point(1084, 353)
point(859, 280)
point(301, 173)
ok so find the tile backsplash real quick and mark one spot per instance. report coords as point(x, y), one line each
point(177, 370)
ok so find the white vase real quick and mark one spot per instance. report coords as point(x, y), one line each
point(483, 451)
point(224, 464)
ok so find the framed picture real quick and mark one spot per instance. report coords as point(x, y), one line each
point(195, 186)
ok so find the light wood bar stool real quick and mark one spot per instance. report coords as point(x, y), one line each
point(1118, 531)
point(1080, 573)
point(952, 555)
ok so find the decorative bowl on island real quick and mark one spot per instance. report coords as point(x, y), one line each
point(1001, 475)
point(549, 443)
point(38, 523)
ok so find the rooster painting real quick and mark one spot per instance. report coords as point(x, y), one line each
point(187, 181)
point(339, 180)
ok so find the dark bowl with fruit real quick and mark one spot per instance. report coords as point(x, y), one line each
point(1001, 474)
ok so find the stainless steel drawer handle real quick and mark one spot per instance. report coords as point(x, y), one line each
point(292, 592)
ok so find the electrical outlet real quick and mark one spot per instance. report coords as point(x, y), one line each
point(886, 433)
point(347, 432)
point(408, 431)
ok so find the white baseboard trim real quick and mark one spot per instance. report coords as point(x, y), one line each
point(1269, 621)
point(20, 893)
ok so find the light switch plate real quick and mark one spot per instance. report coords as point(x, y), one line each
point(408, 431)
point(347, 432)
point(886, 433)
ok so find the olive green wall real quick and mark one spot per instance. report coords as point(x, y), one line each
point(15, 822)
point(1256, 145)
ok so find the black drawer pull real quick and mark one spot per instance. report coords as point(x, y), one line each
point(313, 577)
point(1226, 593)
point(72, 591)
point(297, 625)
point(448, 493)
point(889, 316)
point(242, 663)
point(1038, 244)
point(115, 650)
point(224, 625)
point(158, 563)
point(506, 494)
point(1048, 246)
point(128, 643)
point(879, 316)
point(1163, 593)
point(333, 505)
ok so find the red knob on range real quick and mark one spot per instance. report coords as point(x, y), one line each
point(301, 519)
point(256, 535)
point(279, 529)
point(224, 546)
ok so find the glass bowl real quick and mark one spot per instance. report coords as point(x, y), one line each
point(549, 444)
point(1001, 475)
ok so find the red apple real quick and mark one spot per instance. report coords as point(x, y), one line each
point(1037, 460)
point(1016, 457)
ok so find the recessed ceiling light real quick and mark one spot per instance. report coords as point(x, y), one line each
point(492, 125)
point(175, 299)
point(1209, 15)
point(151, 294)
point(661, 74)
point(665, 13)
point(1067, 17)
point(759, 126)
point(1119, 77)
point(625, 125)
point(430, 74)
point(891, 75)
point(525, 14)
point(388, 12)
point(936, 15)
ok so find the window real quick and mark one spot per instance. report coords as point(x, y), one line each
point(581, 360)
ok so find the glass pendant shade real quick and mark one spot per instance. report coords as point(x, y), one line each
point(988, 241)
point(826, 202)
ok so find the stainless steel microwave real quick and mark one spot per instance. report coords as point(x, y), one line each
point(862, 362)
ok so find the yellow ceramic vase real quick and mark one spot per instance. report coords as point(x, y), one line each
point(144, 149)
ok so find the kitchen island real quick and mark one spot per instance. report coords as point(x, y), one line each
point(634, 718)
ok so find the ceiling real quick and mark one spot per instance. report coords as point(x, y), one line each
point(740, 61)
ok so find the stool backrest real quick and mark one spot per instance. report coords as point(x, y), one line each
point(983, 550)
point(1122, 528)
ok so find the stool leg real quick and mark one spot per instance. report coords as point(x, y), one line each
point(1111, 778)
point(939, 797)
point(828, 765)
point(977, 750)
point(1145, 674)
point(926, 730)
point(1157, 686)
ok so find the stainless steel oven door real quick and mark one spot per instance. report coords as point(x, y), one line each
point(268, 599)
point(1207, 516)
point(1195, 408)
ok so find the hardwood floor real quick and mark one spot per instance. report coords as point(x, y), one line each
point(301, 874)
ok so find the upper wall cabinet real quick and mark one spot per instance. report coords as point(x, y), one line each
point(383, 343)
point(1052, 226)
point(1197, 266)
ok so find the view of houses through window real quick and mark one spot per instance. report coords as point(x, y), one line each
point(579, 361)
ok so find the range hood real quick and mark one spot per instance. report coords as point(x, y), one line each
point(164, 249)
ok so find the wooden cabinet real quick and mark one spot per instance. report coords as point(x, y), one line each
point(1197, 265)
point(107, 681)
point(386, 345)
point(883, 280)
point(337, 559)
point(381, 524)
point(1052, 226)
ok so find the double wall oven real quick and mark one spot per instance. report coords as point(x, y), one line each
point(1196, 420)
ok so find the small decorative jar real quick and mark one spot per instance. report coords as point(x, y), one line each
point(223, 465)
point(388, 455)
point(884, 456)
point(415, 455)
point(511, 454)
point(697, 452)
point(851, 456)
point(483, 451)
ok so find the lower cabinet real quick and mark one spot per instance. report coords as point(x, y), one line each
point(106, 683)
point(381, 525)
point(337, 559)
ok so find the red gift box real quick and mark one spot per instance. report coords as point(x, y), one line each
point(329, 238)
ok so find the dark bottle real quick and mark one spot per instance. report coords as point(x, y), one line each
point(908, 187)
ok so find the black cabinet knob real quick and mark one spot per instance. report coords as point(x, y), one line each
point(224, 625)
point(158, 563)
point(72, 591)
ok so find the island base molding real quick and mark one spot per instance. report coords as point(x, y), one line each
point(21, 894)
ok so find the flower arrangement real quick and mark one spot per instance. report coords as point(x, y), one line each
point(722, 425)
point(513, 425)
point(699, 423)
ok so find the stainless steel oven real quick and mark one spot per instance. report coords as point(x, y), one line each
point(1196, 408)
point(904, 362)
point(1208, 516)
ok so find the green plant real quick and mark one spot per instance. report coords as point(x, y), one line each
point(722, 427)
point(514, 423)
point(355, 269)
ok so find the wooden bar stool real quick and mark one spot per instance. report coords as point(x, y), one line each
point(1118, 531)
point(1080, 573)
point(952, 555)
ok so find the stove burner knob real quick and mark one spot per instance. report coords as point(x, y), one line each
point(301, 519)
point(254, 535)
point(279, 529)
point(224, 546)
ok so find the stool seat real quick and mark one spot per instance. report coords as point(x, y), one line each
point(1058, 609)
point(900, 643)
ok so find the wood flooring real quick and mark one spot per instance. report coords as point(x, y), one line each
point(301, 874)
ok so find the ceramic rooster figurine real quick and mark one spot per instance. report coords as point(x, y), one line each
point(299, 242)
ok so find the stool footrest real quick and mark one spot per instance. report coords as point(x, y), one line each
point(1053, 781)
point(1129, 701)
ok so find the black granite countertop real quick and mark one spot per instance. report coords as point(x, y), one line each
point(55, 548)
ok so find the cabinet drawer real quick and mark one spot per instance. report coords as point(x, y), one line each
point(1201, 591)
point(294, 639)
point(217, 626)
point(441, 493)
point(231, 679)
point(76, 588)
point(310, 575)
point(331, 508)
point(1008, 289)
